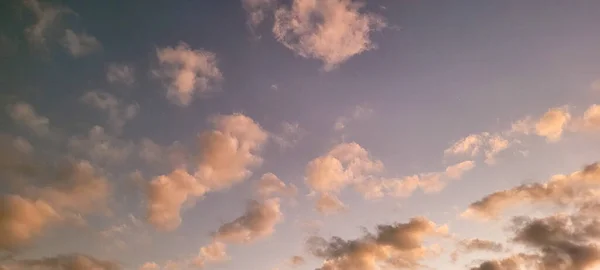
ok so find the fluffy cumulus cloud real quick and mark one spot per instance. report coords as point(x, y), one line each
point(552, 124)
point(120, 74)
point(591, 117)
point(63, 262)
point(187, 72)
point(397, 246)
point(76, 188)
point(269, 185)
point(80, 44)
point(24, 114)
point(559, 190)
point(212, 253)
point(258, 221)
point(118, 112)
point(226, 156)
point(328, 30)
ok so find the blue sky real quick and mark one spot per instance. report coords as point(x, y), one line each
point(245, 134)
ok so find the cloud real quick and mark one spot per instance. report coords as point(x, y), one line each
point(22, 219)
point(16, 160)
point(24, 114)
point(560, 189)
point(187, 72)
point(63, 262)
point(269, 185)
point(258, 221)
point(398, 246)
point(120, 73)
point(150, 266)
point(552, 124)
point(591, 117)
point(257, 10)
point(466, 246)
point(289, 136)
point(331, 31)
point(359, 112)
point(457, 170)
point(227, 154)
point(474, 144)
point(47, 15)
point(344, 164)
point(328, 203)
point(101, 147)
point(214, 252)
point(118, 112)
point(80, 44)
point(166, 196)
point(297, 261)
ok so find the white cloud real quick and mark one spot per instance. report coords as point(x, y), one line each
point(24, 114)
point(120, 73)
point(80, 44)
point(214, 252)
point(187, 72)
point(118, 112)
point(457, 170)
point(328, 30)
point(474, 144)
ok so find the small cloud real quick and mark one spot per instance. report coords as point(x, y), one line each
point(289, 136)
point(552, 124)
point(187, 72)
point(24, 114)
point(120, 73)
point(118, 112)
point(80, 44)
point(47, 15)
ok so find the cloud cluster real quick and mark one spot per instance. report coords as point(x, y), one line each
point(63, 262)
point(227, 153)
point(76, 188)
point(118, 112)
point(187, 72)
point(398, 246)
point(559, 190)
point(331, 31)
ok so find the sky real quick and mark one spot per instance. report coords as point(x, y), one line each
point(299, 134)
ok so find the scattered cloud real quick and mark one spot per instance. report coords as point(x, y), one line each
point(289, 136)
point(467, 246)
point(552, 124)
point(398, 246)
point(269, 185)
point(257, 10)
point(120, 74)
point(80, 44)
point(101, 147)
point(47, 15)
point(359, 112)
point(212, 253)
point(227, 154)
point(331, 31)
point(328, 203)
point(118, 112)
point(24, 114)
point(474, 144)
point(187, 72)
point(560, 189)
point(258, 221)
